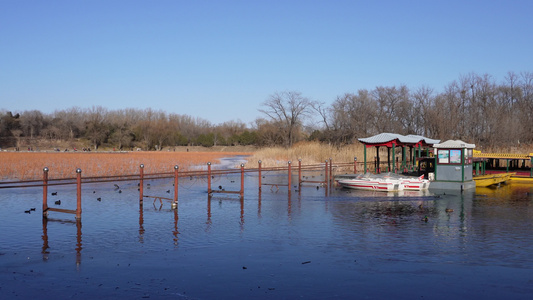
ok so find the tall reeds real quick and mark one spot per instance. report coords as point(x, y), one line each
point(308, 152)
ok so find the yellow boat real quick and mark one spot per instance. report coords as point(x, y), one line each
point(522, 179)
point(487, 180)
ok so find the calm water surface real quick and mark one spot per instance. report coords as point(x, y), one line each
point(311, 244)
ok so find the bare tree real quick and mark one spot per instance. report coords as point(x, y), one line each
point(423, 102)
point(394, 109)
point(288, 109)
point(32, 122)
point(526, 105)
point(96, 125)
point(121, 123)
point(353, 115)
point(268, 132)
point(68, 124)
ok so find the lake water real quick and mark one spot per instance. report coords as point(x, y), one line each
point(311, 244)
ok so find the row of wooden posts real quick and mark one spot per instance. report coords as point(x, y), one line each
point(328, 179)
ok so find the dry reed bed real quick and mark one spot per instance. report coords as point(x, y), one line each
point(29, 165)
point(314, 152)
point(309, 153)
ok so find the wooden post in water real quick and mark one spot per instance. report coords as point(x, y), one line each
point(330, 171)
point(78, 194)
point(242, 180)
point(299, 173)
point(259, 170)
point(289, 167)
point(175, 203)
point(141, 184)
point(209, 178)
point(45, 192)
point(326, 174)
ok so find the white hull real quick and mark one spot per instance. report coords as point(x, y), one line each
point(386, 183)
point(415, 184)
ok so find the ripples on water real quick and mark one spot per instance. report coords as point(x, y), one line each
point(311, 244)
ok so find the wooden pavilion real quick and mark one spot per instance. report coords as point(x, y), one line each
point(415, 143)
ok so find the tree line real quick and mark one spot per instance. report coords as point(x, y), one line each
point(475, 108)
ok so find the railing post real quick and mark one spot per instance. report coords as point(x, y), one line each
point(330, 171)
point(45, 192)
point(259, 170)
point(242, 180)
point(209, 178)
point(289, 168)
point(78, 193)
point(299, 173)
point(355, 165)
point(175, 203)
point(326, 174)
point(141, 184)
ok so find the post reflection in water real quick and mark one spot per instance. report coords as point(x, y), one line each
point(175, 232)
point(45, 252)
point(78, 242)
point(241, 199)
point(208, 222)
point(289, 204)
point(259, 204)
point(241, 217)
point(141, 222)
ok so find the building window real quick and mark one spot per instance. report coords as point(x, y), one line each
point(444, 156)
point(455, 156)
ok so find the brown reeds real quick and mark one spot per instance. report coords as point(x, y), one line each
point(29, 165)
point(309, 153)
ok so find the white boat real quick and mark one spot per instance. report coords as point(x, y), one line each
point(371, 182)
point(414, 183)
point(385, 182)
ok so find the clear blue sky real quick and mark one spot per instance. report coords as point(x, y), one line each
point(219, 60)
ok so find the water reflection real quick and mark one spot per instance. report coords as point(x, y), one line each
point(141, 224)
point(208, 222)
point(289, 205)
point(259, 204)
point(241, 200)
point(356, 240)
point(506, 192)
point(45, 248)
point(175, 231)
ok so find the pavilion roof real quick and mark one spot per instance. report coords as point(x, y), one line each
point(386, 139)
point(454, 144)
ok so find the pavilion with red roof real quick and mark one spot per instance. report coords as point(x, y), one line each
point(391, 141)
